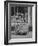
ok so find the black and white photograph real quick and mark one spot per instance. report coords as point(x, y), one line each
point(20, 22)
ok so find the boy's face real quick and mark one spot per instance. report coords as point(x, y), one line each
point(19, 18)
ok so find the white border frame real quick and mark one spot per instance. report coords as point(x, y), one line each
point(33, 24)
